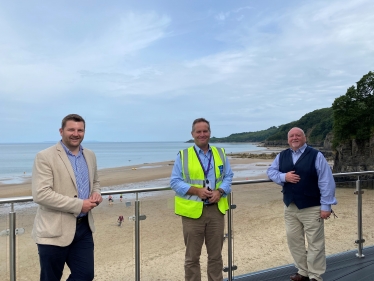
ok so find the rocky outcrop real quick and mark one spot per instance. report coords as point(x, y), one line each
point(279, 143)
point(327, 143)
point(253, 155)
point(355, 156)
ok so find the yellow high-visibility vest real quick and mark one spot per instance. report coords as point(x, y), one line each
point(191, 206)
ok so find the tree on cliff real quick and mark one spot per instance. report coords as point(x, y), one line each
point(354, 112)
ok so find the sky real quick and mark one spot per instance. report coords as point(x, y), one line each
point(144, 70)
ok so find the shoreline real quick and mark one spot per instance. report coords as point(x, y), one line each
point(146, 173)
point(126, 155)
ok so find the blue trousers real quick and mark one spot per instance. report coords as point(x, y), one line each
point(79, 256)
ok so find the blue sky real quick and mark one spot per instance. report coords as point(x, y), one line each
point(144, 70)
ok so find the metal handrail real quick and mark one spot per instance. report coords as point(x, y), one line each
point(230, 268)
point(148, 189)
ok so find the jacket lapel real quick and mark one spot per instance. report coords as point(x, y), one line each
point(62, 154)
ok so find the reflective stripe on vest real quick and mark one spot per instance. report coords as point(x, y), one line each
point(191, 205)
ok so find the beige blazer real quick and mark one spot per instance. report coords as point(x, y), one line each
point(54, 188)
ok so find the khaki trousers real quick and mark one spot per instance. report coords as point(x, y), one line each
point(209, 228)
point(306, 223)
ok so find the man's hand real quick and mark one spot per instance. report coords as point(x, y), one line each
point(292, 177)
point(325, 215)
point(204, 193)
point(96, 197)
point(88, 204)
point(216, 195)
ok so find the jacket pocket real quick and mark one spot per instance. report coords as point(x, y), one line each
point(48, 223)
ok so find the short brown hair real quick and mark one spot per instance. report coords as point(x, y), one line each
point(72, 117)
point(198, 120)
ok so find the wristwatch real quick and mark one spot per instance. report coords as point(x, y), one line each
point(221, 192)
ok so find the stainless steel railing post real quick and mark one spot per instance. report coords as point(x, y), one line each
point(12, 244)
point(360, 241)
point(137, 239)
point(230, 268)
point(229, 238)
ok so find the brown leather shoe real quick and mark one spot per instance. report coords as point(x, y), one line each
point(298, 277)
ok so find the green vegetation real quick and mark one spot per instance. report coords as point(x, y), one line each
point(247, 136)
point(354, 112)
point(316, 125)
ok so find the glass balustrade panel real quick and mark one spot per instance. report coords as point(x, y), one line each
point(114, 241)
point(341, 230)
point(27, 259)
point(367, 214)
point(259, 232)
point(162, 247)
point(114, 247)
point(258, 228)
point(4, 245)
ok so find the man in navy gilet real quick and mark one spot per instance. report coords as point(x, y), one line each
point(308, 193)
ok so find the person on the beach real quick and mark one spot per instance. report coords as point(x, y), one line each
point(120, 220)
point(308, 193)
point(201, 178)
point(120, 197)
point(65, 184)
point(110, 200)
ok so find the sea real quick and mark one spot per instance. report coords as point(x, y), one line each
point(16, 159)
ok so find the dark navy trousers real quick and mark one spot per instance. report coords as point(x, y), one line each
point(79, 256)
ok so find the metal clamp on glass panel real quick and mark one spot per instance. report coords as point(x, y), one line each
point(141, 218)
point(18, 231)
point(233, 267)
point(359, 241)
point(225, 236)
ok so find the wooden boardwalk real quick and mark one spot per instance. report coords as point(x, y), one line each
point(340, 267)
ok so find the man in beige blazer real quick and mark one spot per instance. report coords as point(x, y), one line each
point(65, 184)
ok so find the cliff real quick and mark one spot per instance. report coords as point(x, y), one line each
point(355, 156)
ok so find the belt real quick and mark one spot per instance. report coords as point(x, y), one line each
point(212, 204)
point(82, 219)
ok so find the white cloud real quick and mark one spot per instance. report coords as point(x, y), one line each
point(29, 74)
point(244, 68)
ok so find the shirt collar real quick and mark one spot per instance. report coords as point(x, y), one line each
point(198, 149)
point(300, 150)
point(69, 152)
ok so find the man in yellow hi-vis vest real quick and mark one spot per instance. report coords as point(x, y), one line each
point(201, 178)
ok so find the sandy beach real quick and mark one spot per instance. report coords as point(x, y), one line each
point(259, 235)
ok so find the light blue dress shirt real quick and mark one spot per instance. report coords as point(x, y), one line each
point(80, 168)
point(326, 181)
point(180, 187)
